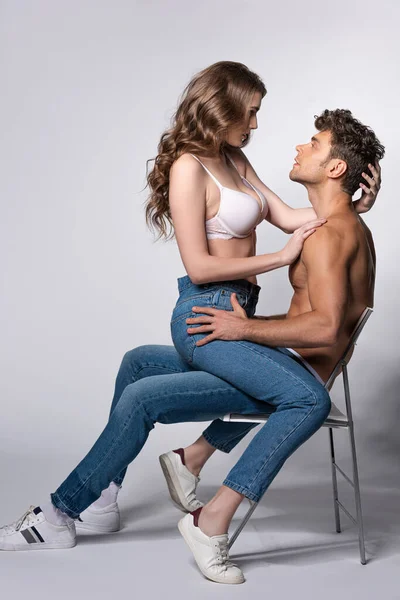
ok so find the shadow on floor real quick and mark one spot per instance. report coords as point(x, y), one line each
point(303, 513)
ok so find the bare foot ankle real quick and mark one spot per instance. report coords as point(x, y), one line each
point(210, 524)
point(189, 463)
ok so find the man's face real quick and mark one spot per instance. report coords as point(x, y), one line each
point(310, 158)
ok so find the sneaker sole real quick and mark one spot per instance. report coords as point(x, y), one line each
point(174, 488)
point(95, 528)
point(186, 536)
point(41, 546)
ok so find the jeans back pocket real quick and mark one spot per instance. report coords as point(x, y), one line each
point(183, 341)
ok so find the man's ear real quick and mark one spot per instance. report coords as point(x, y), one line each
point(337, 168)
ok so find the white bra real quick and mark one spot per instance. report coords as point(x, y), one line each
point(238, 214)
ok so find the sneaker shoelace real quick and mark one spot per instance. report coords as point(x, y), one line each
point(28, 517)
point(222, 555)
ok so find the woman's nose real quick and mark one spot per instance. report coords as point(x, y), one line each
point(253, 123)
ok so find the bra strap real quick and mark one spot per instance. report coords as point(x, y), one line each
point(233, 162)
point(210, 174)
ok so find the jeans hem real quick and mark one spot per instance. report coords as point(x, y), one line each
point(58, 503)
point(241, 490)
point(215, 444)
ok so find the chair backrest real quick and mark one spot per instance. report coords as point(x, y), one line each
point(347, 353)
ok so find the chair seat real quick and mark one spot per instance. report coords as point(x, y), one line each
point(335, 418)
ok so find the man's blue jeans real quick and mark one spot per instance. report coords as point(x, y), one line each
point(189, 383)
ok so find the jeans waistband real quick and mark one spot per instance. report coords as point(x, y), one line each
point(241, 285)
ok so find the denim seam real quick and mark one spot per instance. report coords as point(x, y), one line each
point(293, 430)
point(298, 380)
point(186, 315)
point(138, 404)
point(292, 375)
point(149, 365)
point(134, 373)
point(205, 296)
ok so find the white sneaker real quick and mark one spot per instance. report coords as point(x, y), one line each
point(210, 553)
point(181, 482)
point(33, 532)
point(100, 520)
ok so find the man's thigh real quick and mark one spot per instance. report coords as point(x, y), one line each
point(262, 372)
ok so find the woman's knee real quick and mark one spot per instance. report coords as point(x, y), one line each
point(137, 355)
point(132, 400)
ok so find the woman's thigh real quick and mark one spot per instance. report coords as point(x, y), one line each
point(260, 371)
point(147, 361)
point(153, 359)
point(187, 397)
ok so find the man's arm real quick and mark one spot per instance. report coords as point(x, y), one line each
point(327, 276)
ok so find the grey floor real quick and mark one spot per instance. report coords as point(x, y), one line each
point(289, 549)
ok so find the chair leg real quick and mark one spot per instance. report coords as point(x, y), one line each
point(356, 481)
point(253, 506)
point(357, 496)
point(334, 482)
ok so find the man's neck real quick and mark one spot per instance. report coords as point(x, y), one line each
point(329, 201)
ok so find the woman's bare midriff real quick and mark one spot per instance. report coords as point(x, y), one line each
point(234, 248)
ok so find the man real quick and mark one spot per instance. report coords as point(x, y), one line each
point(333, 282)
point(279, 361)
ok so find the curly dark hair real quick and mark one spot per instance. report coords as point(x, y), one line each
point(352, 142)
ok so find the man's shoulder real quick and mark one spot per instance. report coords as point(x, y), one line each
point(329, 234)
point(331, 240)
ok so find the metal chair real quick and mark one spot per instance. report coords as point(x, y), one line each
point(335, 420)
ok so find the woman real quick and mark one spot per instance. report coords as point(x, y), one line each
point(213, 120)
point(200, 153)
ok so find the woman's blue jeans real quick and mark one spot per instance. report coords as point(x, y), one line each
point(186, 383)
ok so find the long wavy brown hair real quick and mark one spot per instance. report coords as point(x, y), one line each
point(214, 100)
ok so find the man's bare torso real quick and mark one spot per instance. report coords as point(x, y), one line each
point(357, 243)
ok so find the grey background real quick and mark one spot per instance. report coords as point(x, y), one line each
point(87, 89)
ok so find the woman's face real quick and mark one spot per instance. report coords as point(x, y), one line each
point(237, 136)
